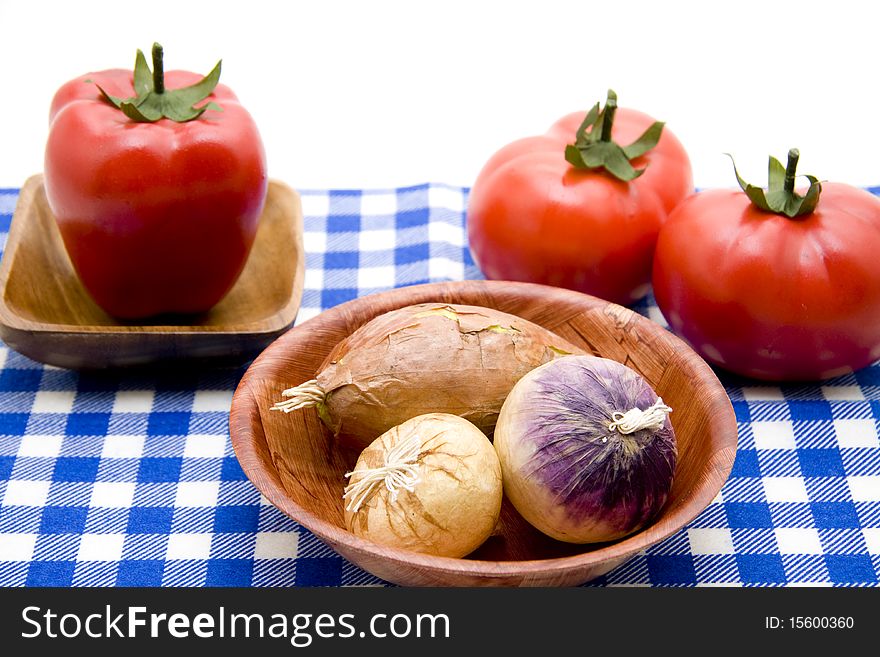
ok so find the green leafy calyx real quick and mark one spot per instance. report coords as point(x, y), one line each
point(153, 101)
point(780, 196)
point(594, 148)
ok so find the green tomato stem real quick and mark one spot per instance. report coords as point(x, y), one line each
point(158, 70)
point(779, 196)
point(608, 116)
point(595, 149)
point(791, 169)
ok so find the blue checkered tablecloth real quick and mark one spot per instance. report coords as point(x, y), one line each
point(122, 479)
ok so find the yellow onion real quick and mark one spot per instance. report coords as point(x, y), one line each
point(431, 484)
point(587, 450)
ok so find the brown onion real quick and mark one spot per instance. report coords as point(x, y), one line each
point(425, 358)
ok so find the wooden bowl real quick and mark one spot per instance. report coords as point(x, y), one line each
point(47, 315)
point(292, 459)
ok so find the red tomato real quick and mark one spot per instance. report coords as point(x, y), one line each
point(156, 217)
point(533, 216)
point(773, 297)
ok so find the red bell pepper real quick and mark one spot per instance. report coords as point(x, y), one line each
point(157, 181)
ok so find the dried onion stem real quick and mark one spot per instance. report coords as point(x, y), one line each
point(637, 419)
point(399, 472)
point(302, 396)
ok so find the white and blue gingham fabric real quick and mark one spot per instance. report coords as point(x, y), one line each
point(123, 479)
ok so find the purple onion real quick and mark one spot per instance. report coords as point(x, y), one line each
point(587, 450)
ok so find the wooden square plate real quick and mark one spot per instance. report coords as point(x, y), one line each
point(47, 315)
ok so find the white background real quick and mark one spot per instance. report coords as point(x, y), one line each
point(382, 94)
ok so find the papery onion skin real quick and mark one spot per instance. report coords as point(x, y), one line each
point(564, 470)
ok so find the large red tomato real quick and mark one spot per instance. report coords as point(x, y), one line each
point(574, 209)
point(157, 202)
point(769, 295)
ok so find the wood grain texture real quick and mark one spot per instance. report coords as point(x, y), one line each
point(46, 313)
point(293, 461)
